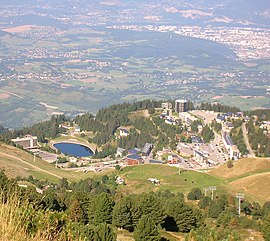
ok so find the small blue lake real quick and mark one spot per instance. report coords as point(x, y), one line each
point(73, 149)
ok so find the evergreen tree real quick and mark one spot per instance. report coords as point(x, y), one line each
point(136, 212)
point(75, 211)
point(195, 194)
point(151, 205)
point(216, 208)
point(63, 183)
point(184, 216)
point(104, 232)
point(122, 216)
point(103, 209)
point(205, 202)
point(146, 230)
point(207, 134)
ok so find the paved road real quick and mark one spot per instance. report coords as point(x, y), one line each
point(244, 130)
point(29, 164)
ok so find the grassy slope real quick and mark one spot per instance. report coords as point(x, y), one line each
point(137, 179)
point(242, 167)
point(14, 167)
point(257, 185)
point(251, 176)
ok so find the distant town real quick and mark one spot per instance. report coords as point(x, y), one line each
point(248, 43)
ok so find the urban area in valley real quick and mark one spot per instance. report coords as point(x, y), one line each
point(79, 60)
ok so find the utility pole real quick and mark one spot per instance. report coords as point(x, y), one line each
point(205, 190)
point(34, 157)
point(240, 197)
point(212, 189)
point(179, 171)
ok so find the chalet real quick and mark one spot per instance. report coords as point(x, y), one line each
point(77, 129)
point(65, 126)
point(170, 122)
point(119, 151)
point(134, 159)
point(123, 132)
point(163, 116)
point(173, 159)
point(220, 119)
point(230, 114)
point(238, 115)
point(229, 125)
point(146, 150)
point(246, 119)
point(265, 126)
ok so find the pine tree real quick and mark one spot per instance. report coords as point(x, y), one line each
point(103, 209)
point(104, 232)
point(122, 216)
point(75, 211)
point(216, 208)
point(136, 212)
point(151, 205)
point(184, 216)
point(146, 230)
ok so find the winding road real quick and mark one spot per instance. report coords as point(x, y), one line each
point(244, 130)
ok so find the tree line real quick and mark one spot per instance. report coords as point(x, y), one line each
point(93, 210)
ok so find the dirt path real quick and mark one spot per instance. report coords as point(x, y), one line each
point(29, 164)
point(244, 130)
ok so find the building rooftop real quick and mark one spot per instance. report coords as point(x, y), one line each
point(124, 130)
point(228, 139)
point(181, 101)
point(134, 157)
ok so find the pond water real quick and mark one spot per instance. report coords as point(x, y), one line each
point(73, 149)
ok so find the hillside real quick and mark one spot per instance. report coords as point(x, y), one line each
point(16, 162)
point(137, 179)
point(257, 184)
point(242, 167)
point(250, 176)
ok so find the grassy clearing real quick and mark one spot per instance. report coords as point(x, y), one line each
point(137, 179)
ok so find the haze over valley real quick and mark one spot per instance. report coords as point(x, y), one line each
point(72, 57)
